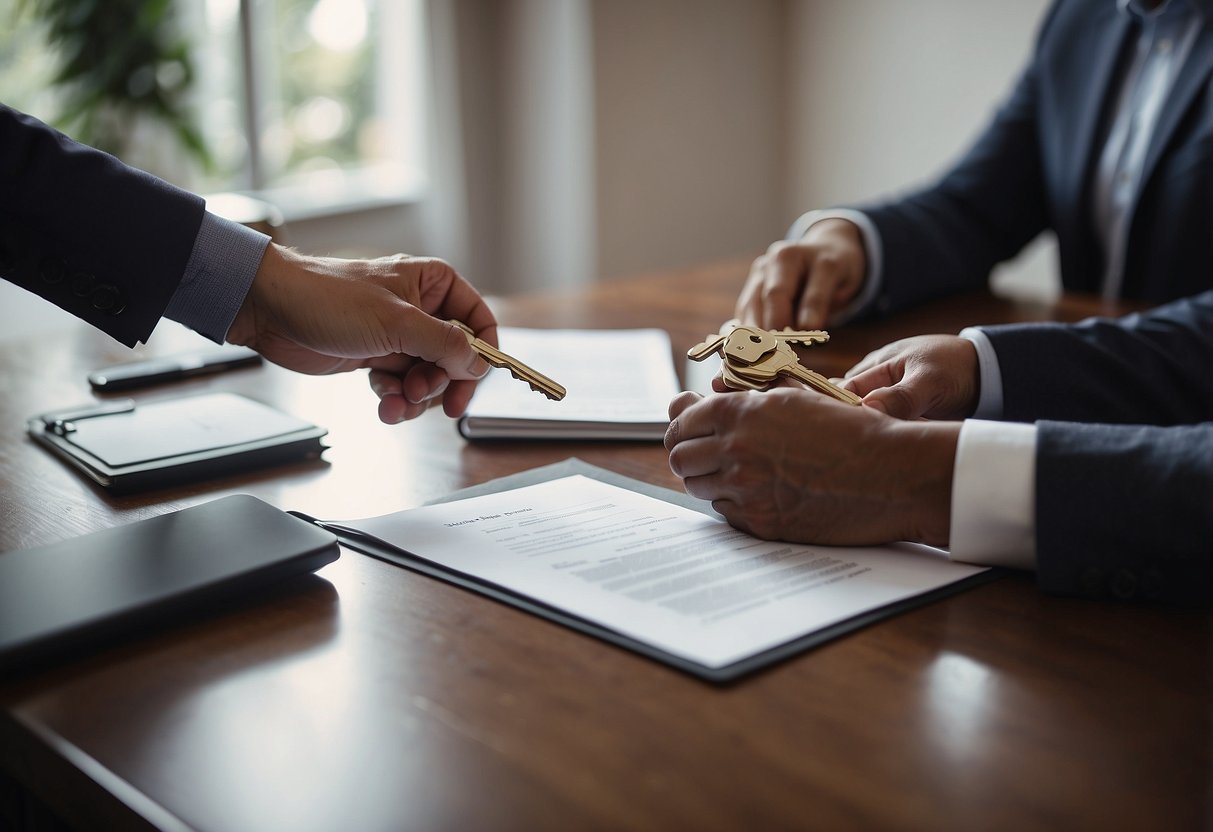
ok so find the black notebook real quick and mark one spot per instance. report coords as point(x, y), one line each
point(125, 447)
point(89, 589)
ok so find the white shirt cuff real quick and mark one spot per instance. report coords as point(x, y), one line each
point(989, 400)
point(993, 495)
point(872, 248)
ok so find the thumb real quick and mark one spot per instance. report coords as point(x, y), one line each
point(439, 342)
point(902, 400)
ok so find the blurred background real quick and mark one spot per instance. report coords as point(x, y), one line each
point(531, 143)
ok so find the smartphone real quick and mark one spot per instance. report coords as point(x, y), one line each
point(171, 368)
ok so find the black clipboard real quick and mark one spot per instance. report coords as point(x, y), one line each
point(719, 675)
point(125, 447)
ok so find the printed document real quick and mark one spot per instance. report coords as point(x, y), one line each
point(665, 575)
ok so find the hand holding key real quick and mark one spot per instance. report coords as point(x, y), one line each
point(495, 357)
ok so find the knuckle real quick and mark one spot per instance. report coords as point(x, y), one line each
point(787, 255)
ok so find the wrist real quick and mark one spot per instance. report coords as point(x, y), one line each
point(251, 315)
point(927, 451)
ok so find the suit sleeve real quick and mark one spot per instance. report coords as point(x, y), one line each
point(1124, 455)
point(104, 241)
point(947, 237)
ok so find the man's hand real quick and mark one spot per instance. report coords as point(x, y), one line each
point(323, 315)
point(792, 464)
point(800, 284)
point(929, 376)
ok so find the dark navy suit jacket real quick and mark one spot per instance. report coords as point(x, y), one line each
point(104, 241)
point(1124, 508)
point(1034, 166)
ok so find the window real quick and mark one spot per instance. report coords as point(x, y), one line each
point(315, 104)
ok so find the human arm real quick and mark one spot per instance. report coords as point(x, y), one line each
point(104, 241)
point(1114, 510)
point(120, 248)
point(1154, 367)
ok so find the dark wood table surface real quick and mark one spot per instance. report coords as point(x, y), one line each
point(369, 697)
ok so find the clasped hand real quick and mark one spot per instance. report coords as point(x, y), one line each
point(792, 464)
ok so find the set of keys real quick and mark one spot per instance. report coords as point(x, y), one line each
point(496, 358)
point(753, 358)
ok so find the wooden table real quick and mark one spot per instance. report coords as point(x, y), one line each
point(373, 698)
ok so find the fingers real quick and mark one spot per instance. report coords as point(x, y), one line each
point(419, 334)
point(873, 378)
point(827, 288)
point(431, 293)
point(680, 403)
point(773, 286)
point(802, 283)
point(931, 376)
point(405, 392)
point(694, 447)
point(444, 293)
point(894, 388)
point(817, 299)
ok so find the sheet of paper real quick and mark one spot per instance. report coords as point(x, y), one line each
point(660, 573)
point(611, 376)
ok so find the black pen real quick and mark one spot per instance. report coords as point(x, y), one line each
point(171, 368)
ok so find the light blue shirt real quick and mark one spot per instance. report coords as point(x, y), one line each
point(220, 271)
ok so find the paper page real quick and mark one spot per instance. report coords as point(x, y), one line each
point(611, 376)
point(660, 573)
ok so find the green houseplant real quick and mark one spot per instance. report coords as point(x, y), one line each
point(120, 63)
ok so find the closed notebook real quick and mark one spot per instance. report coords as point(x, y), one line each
point(93, 588)
point(124, 446)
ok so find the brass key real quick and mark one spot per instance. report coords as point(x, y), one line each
point(783, 361)
point(808, 337)
point(754, 358)
point(495, 357)
point(749, 343)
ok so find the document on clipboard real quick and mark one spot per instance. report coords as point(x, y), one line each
point(652, 575)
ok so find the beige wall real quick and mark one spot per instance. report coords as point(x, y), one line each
point(579, 139)
point(691, 128)
point(885, 93)
point(707, 126)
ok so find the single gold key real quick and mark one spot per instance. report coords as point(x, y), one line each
point(495, 357)
point(808, 337)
